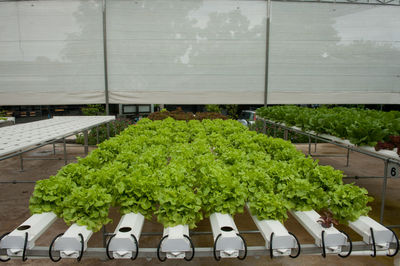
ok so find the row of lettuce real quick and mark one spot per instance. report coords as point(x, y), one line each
point(184, 171)
point(360, 126)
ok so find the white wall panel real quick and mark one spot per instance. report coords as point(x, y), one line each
point(333, 53)
point(193, 51)
point(51, 52)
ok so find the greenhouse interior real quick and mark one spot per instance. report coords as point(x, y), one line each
point(202, 132)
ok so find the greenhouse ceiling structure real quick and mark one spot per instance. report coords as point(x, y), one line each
point(199, 52)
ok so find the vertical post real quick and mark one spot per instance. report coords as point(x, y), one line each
point(285, 134)
point(315, 147)
point(348, 157)
point(267, 52)
point(104, 231)
point(264, 131)
point(65, 152)
point(105, 56)
point(383, 192)
point(108, 130)
point(54, 149)
point(309, 144)
point(85, 137)
point(97, 135)
point(275, 129)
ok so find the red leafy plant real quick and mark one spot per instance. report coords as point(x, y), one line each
point(384, 146)
point(179, 114)
point(394, 141)
point(326, 220)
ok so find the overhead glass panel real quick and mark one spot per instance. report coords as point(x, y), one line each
point(51, 52)
point(192, 51)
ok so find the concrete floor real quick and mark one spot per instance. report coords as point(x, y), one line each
point(14, 200)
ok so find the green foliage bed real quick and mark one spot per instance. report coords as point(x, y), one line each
point(184, 171)
point(360, 126)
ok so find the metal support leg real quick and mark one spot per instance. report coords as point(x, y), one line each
point(108, 130)
point(275, 129)
point(97, 135)
point(309, 145)
point(285, 134)
point(104, 231)
point(315, 145)
point(86, 146)
point(65, 152)
point(383, 192)
point(54, 149)
point(264, 131)
point(21, 162)
point(348, 158)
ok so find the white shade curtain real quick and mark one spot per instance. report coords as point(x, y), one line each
point(51, 52)
point(198, 52)
point(192, 51)
point(334, 53)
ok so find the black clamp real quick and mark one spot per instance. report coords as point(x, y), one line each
point(271, 253)
point(298, 246)
point(51, 248)
point(192, 246)
point(137, 247)
point(24, 258)
point(107, 248)
point(82, 247)
point(1, 238)
point(217, 258)
point(245, 248)
point(350, 245)
point(323, 244)
point(373, 242)
point(158, 249)
point(397, 244)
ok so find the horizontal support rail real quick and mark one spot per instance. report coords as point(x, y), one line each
point(360, 177)
point(41, 252)
point(325, 155)
point(18, 182)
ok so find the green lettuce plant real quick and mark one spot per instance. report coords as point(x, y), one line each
point(183, 171)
